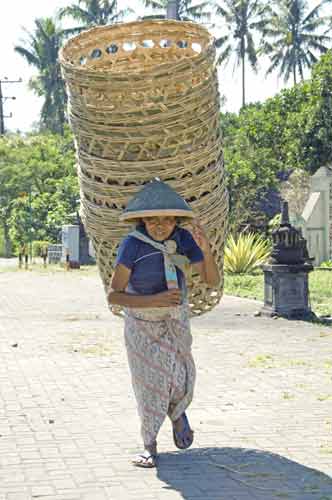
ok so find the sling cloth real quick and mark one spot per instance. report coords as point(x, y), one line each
point(158, 343)
point(171, 258)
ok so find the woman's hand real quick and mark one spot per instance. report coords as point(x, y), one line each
point(198, 233)
point(165, 299)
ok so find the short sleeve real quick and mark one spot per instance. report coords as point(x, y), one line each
point(190, 247)
point(127, 252)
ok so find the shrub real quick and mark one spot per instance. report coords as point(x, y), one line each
point(246, 253)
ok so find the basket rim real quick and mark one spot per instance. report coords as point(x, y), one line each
point(68, 65)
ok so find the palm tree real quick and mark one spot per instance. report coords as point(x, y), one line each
point(93, 13)
point(40, 50)
point(185, 11)
point(242, 19)
point(295, 40)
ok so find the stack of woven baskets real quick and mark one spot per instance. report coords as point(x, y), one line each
point(144, 103)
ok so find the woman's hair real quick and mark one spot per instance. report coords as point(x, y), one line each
point(139, 223)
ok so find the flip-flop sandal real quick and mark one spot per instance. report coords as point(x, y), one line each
point(145, 460)
point(185, 438)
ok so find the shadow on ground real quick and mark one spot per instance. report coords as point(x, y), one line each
point(240, 474)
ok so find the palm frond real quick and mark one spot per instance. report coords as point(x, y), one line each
point(155, 4)
point(251, 51)
point(224, 55)
point(314, 13)
point(293, 31)
point(30, 58)
point(76, 13)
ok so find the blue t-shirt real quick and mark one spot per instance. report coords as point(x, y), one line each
point(147, 263)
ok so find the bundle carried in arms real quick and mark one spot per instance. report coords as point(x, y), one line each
point(144, 104)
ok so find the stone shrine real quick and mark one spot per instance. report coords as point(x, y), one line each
point(286, 288)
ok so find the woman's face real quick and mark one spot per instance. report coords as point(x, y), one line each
point(159, 228)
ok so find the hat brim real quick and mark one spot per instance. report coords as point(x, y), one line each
point(128, 216)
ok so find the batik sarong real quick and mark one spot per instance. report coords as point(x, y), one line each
point(158, 343)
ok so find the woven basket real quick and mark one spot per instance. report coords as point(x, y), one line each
point(144, 103)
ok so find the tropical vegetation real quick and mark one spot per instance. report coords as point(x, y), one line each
point(294, 37)
point(186, 10)
point(265, 144)
point(242, 19)
point(38, 187)
point(40, 49)
point(92, 13)
point(246, 253)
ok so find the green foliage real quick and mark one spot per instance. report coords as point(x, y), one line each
point(38, 186)
point(246, 253)
point(39, 248)
point(316, 117)
point(251, 164)
point(327, 264)
point(266, 142)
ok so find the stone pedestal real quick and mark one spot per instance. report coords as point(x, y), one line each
point(286, 290)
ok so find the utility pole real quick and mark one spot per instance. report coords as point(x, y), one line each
point(2, 99)
point(173, 9)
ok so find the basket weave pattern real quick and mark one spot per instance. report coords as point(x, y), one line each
point(144, 103)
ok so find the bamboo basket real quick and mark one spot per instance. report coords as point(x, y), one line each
point(144, 103)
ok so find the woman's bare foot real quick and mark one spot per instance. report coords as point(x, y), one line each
point(178, 424)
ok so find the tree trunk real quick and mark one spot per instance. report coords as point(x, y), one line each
point(2, 125)
point(243, 82)
point(7, 242)
point(243, 56)
point(294, 74)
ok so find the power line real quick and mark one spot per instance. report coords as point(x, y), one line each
point(2, 99)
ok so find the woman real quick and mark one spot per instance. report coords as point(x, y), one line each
point(149, 283)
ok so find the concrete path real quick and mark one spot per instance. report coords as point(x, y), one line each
point(68, 426)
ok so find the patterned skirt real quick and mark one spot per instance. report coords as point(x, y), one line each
point(158, 343)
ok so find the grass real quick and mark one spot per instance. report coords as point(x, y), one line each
point(38, 267)
point(251, 286)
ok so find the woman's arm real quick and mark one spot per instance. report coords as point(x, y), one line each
point(118, 296)
point(207, 269)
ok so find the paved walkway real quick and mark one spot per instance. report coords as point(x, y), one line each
point(262, 412)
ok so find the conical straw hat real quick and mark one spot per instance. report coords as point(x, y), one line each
point(156, 199)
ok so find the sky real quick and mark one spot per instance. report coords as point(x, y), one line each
point(25, 108)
